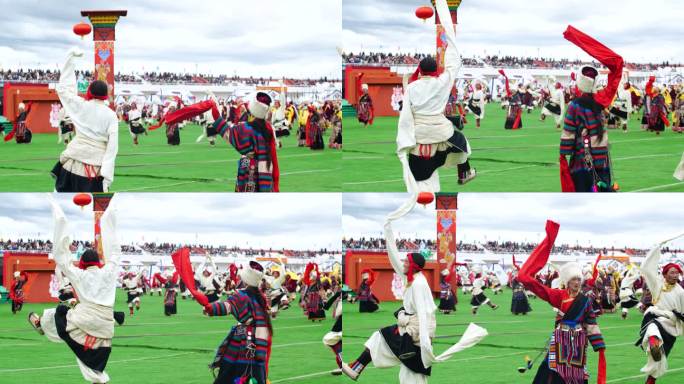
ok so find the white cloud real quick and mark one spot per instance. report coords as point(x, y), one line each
point(639, 31)
point(300, 221)
point(294, 38)
point(632, 220)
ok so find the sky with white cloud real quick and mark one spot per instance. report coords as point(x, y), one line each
point(631, 220)
point(641, 31)
point(293, 38)
point(281, 220)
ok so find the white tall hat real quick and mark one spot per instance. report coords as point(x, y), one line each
point(364, 87)
point(252, 274)
point(257, 107)
point(445, 272)
point(569, 271)
point(585, 82)
point(22, 106)
point(17, 273)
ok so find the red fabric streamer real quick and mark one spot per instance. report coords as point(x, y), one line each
point(359, 84)
point(307, 273)
point(181, 260)
point(518, 117)
point(649, 86)
point(567, 185)
point(462, 114)
point(274, 159)
point(601, 376)
point(663, 116)
point(187, 113)
point(508, 86)
point(515, 265)
point(605, 56)
point(540, 255)
point(594, 272)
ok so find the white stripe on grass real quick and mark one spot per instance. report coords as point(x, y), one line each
point(654, 188)
point(108, 363)
point(157, 186)
point(639, 377)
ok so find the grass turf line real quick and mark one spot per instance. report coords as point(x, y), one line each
point(155, 166)
point(525, 160)
point(156, 349)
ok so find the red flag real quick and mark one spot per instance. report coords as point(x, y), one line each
point(181, 260)
point(567, 185)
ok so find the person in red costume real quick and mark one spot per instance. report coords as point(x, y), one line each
point(584, 139)
point(576, 325)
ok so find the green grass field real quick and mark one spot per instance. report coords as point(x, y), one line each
point(525, 160)
point(511, 338)
point(152, 348)
point(157, 167)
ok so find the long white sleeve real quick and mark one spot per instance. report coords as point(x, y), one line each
point(66, 90)
point(61, 242)
point(109, 159)
point(392, 250)
point(110, 242)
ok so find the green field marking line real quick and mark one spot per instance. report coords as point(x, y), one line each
point(110, 362)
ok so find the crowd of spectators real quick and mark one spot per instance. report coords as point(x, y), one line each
point(31, 245)
point(498, 247)
point(381, 58)
point(40, 75)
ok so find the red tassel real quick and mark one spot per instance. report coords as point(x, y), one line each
point(567, 185)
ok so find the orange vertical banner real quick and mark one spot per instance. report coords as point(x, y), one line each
point(100, 204)
point(446, 205)
point(441, 43)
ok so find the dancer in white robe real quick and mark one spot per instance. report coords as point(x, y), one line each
point(88, 327)
point(555, 105)
point(87, 163)
point(426, 139)
point(409, 342)
point(663, 321)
